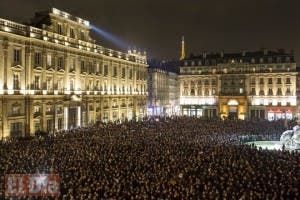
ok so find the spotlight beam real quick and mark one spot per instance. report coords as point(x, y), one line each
point(109, 37)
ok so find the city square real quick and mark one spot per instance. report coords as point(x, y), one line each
point(85, 115)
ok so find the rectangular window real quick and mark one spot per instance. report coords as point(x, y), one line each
point(59, 85)
point(59, 123)
point(241, 90)
point(16, 82)
point(36, 82)
point(90, 66)
point(82, 35)
point(17, 56)
point(261, 81)
point(115, 71)
point(105, 70)
point(49, 125)
point(49, 83)
point(288, 80)
point(130, 74)
point(60, 63)
point(288, 91)
point(270, 81)
point(59, 29)
point(98, 68)
point(279, 91)
point(123, 72)
point(253, 91)
point(72, 34)
point(82, 66)
point(38, 59)
point(49, 60)
point(270, 91)
point(71, 84)
point(278, 80)
point(16, 129)
point(73, 65)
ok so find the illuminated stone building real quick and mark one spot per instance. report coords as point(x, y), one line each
point(163, 88)
point(54, 76)
point(260, 84)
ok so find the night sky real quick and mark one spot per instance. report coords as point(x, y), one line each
point(157, 25)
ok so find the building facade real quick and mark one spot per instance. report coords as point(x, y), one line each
point(163, 99)
point(54, 76)
point(259, 84)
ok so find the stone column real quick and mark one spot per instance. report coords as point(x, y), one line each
point(5, 62)
point(78, 116)
point(5, 132)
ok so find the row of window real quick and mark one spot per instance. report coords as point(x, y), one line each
point(90, 86)
point(199, 92)
point(270, 91)
point(206, 91)
point(278, 59)
point(243, 69)
point(85, 66)
point(270, 80)
point(200, 82)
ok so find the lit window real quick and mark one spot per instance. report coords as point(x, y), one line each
point(71, 84)
point(49, 83)
point(49, 60)
point(36, 82)
point(15, 81)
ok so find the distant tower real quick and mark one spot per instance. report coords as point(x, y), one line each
point(182, 56)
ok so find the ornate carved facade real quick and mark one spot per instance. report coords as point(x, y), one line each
point(53, 76)
point(259, 84)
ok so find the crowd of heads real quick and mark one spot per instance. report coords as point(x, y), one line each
point(166, 158)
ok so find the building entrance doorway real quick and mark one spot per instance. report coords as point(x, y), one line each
point(233, 114)
point(233, 109)
point(72, 117)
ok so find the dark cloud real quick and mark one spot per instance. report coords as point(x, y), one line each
point(157, 25)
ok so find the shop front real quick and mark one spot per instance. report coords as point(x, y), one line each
point(280, 113)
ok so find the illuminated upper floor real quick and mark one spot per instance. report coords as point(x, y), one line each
point(61, 28)
point(263, 61)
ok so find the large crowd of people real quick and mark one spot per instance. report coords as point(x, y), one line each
point(166, 158)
